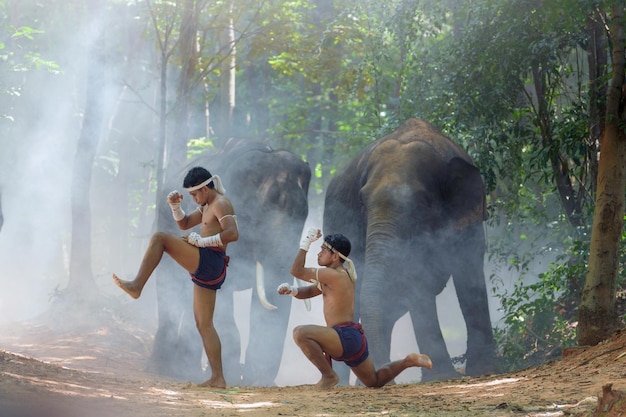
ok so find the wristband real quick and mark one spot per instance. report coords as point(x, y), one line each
point(311, 237)
point(177, 212)
point(293, 291)
point(203, 242)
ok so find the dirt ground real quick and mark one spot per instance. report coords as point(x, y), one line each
point(96, 371)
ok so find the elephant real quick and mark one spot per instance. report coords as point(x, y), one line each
point(269, 192)
point(413, 205)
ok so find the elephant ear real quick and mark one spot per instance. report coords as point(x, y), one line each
point(464, 193)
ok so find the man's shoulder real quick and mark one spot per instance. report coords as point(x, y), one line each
point(221, 199)
point(219, 207)
point(331, 271)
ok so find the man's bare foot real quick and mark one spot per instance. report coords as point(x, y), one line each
point(213, 383)
point(129, 286)
point(417, 359)
point(328, 382)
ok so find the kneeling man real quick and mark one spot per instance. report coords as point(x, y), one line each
point(341, 339)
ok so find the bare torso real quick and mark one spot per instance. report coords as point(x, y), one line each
point(332, 281)
point(338, 294)
point(216, 216)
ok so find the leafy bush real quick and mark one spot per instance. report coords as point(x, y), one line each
point(540, 319)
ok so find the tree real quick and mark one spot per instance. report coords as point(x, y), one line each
point(81, 283)
point(228, 79)
point(598, 317)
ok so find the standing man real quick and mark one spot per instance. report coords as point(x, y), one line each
point(202, 255)
point(341, 339)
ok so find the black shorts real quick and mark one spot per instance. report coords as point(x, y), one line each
point(354, 344)
point(211, 272)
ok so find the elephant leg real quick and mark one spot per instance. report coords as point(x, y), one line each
point(229, 336)
point(469, 282)
point(378, 326)
point(378, 313)
point(268, 329)
point(430, 339)
point(381, 353)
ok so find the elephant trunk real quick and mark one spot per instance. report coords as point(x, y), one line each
point(381, 266)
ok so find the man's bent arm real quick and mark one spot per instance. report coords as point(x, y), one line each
point(230, 232)
point(190, 220)
point(309, 291)
point(223, 211)
point(297, 268)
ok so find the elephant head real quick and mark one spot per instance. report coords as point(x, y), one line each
point(413, 205)
point(269, 192)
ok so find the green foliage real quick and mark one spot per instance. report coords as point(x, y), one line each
point(198, 146)
point(517, 98)
point(19, 54)
point(540, 318)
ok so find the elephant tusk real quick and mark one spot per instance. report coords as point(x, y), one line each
point(260, 288)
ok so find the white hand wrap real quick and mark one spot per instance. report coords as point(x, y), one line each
point(177, 212)
point(310, 237)
point(293, 291)
point(203, 242)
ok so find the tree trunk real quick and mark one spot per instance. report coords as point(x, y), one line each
point(562, 175)
point(81, 275)
point(598, 317)
point(597, 61)
point(228, 86)
point(163, 34)
point(172, 352)
point(177, 143)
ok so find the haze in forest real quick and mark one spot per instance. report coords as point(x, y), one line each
point(35, 184)
point(34, 250)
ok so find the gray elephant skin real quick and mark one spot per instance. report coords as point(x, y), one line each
point(413, 205)
point(269, 191)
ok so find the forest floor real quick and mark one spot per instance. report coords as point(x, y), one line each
point(96, 370)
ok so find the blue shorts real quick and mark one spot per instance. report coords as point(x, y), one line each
point(211, 271)
point(353, 342)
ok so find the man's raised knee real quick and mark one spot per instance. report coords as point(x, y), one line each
point(298, 333)
point(159, 236)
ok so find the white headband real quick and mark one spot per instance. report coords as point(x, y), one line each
point(216, 181)
point(350, 267)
